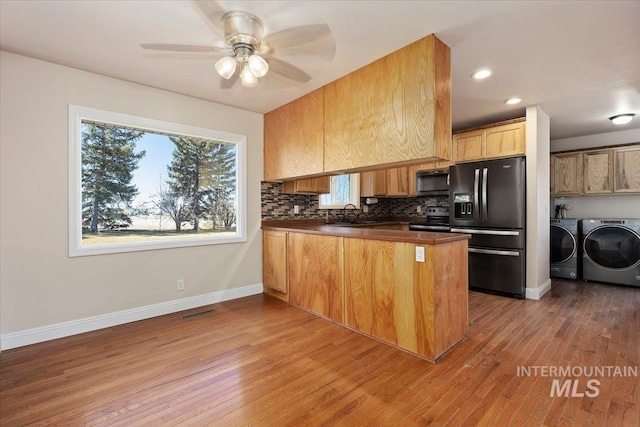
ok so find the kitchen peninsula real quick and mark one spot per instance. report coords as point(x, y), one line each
point(406, 288)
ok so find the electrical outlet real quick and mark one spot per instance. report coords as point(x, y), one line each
point(180, 285)
point(420, 253)
point(365, 209)
point(296, 209)
point(419, 209)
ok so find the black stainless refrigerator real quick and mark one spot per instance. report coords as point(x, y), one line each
point(489, 202)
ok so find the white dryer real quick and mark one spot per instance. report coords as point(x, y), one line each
point(611, 251)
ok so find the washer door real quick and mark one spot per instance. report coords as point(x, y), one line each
point(613, 247)
point(563, 244)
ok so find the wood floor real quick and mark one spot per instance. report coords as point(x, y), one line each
point(257, 361)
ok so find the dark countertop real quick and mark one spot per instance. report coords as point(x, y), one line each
point(360, 231)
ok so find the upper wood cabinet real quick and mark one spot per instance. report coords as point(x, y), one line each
point(506, 140)
point(568, 174)
point(307, 186)
point(604, 171)
point(396, 109)
point(274, 264)
point(627, 169)
point(552, 174)
point(373, 183)
point(398, 182)
point(598, 172)
point(393, 182)
point(469, 146)
point(293, 138)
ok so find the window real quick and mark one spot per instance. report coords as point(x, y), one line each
point(345, 189)
point(139, 184)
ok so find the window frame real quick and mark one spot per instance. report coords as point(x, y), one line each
point(354, 193)
point(78, 114)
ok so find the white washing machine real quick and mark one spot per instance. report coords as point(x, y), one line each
point(611, 251)
point(565, 248)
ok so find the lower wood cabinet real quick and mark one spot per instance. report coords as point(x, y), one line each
point(275, 264)
point(316, 274)
point(418, 306)
point(374, 287)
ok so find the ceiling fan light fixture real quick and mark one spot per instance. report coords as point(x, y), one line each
point(226, 67)
point(247, 77)
point(258, 65)
point(622, 119)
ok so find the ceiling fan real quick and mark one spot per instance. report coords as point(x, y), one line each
point(250, 56)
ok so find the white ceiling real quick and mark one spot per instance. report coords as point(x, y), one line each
point(578, 60)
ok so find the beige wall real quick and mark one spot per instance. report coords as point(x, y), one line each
point(538, 131)
point(40, 285)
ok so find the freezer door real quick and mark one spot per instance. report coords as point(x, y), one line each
point(493, 238)
point(502, 193)
point(501, 271)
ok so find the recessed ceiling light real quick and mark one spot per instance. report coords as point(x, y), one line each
point(512, 101)
point(481, 74)
point(622, 119)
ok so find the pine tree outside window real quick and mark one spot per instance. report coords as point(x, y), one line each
point(141, 184)
point(344, 189)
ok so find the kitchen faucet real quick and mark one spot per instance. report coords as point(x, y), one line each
point(344, 211)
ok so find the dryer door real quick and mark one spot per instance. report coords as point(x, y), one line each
point(563, 244)
point(613, 247)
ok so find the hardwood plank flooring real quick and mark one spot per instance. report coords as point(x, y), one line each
point(258, 361)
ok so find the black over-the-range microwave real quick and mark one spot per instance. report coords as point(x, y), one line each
point(432, 183)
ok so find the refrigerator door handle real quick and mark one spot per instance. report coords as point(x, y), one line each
point(490, 232)
point(485, 211)
point(493, 252)
point(476, 191)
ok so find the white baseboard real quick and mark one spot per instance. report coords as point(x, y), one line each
point(73, 327)
point(537, 293)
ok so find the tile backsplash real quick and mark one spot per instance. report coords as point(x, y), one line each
point(277, 205)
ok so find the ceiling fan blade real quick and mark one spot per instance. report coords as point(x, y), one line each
point(228, 83)
point(297, 36)
point(213, 12)
point(287, 70)
point(185, 48)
